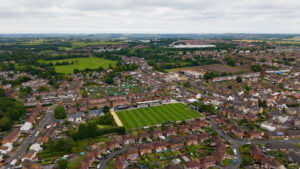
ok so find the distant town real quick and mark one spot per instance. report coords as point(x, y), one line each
point(137, 102)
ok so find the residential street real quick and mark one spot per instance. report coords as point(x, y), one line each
point(30, 139)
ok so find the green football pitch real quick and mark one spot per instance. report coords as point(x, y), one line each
point(155, 115)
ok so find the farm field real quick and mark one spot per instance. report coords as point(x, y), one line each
point(80, 44)
point(155, 115)
point(182, 68)
point(223, 68)
point(220, 68)
point(81, 64)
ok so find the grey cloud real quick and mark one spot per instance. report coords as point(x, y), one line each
point(146, 16)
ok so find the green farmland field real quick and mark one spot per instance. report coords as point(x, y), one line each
point(81, 64)
point(155, 115)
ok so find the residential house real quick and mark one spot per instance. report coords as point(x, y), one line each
point(293, 133)
point(95, 113)
point(145, 149)
point(12, 136)
point(160, 146)
point(28, 164)
point(192, 164)
point(208, 162)
point(99, 150)
point(128, 139)
point(76, 117)
point(143, 134)
point(237, 131)
point(36, 147)
point(254, 134)
point(175, 144)
point(281, 146)
point(156, 134)
point(120, 163)
point(87, 161)
point(215, 141)
point(6, 148)
point(191, 140)
point(271, 163)
point(170, 131)
point(255, 153)
point(30, 155)
point(183, 129)
point(50, 132)
point(26, 127)
point(174, 166)
point(113, 144)
point(195, 127)
point(131, 154)
point(203, 137)
point(220, 152)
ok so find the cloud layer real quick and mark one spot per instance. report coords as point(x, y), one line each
point(149, 16)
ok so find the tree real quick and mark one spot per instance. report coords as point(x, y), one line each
point(2, 93)
point(144, 139)
point(43, 89)
point(100, 69)
point(210, 75)
point(106, 109)
point(62, 164)
point(5, 124)
point(11, 110)
point(107, 119)
point(76, 71)
point(69, 144)
point(239, 79)
point(256, 68)
point(187, 85)
point(60, 112)
point(24, 91)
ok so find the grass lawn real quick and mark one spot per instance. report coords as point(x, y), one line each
point(76, 163)
point(155, 115)
point(229, 151)
point(81, 64)
point(82, 144)
point(226, 162)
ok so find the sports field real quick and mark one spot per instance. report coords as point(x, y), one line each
point(81, 64)
point(155, 115)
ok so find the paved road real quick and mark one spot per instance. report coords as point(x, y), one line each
point(235, 144)
point(110, 156)
point(30, 139)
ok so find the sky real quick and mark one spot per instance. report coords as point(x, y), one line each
point(150, 16)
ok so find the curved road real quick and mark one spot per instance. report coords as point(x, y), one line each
point(31, 138)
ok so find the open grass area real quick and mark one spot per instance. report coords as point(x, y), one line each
point(155, 115)
point(81, 64)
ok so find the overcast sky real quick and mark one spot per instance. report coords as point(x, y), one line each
point(150, 16)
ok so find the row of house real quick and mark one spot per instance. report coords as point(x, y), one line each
point(233, 128)
point(266, 162)
point(218, 156)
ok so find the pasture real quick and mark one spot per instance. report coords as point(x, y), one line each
point(81, 64)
